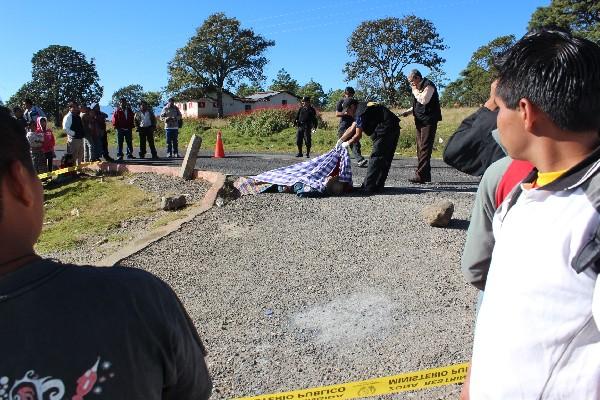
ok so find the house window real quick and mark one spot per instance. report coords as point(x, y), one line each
point(201, 104)
point(284, 103)
point(214, 105)
point(184, 106)
point(247, 107)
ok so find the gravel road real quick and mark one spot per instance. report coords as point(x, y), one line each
point(291, 293)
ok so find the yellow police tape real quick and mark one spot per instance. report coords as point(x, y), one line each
point(64, 170)
point(416, 380)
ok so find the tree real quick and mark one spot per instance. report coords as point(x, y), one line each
point(582, 17)
point(314, 90)
point(245, 90)
point(472, 88)
point(154, 99)
point(219, 53)
point(132, 93)
point(382, 48)
point(61, 74)
point(284, 82)
point(332, 97)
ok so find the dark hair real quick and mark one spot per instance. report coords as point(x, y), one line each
point(17, 109)
point(73, 104)
point(13, 146)
point(28, 101)
point(558, 73)
point(349, 90)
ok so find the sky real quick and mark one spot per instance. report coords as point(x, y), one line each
point(133, 40)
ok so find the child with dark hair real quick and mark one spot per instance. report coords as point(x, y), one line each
point(36, 140)
point(539, 318)
point(48, 143)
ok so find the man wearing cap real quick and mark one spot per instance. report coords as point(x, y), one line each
point(383, 126)
point(427, 112)
point(345, 122)
point(306, 122)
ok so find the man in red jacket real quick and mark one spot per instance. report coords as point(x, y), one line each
point(123, 122)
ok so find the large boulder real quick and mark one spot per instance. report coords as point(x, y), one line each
point(438, 214)
point(170, 203)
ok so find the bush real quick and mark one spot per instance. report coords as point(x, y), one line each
point(266, 123)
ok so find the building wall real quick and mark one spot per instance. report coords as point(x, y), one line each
point(207, 107)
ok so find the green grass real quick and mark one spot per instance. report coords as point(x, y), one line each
point(101, 207)
point(285, 141)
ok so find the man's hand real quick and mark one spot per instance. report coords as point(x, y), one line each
point(345, 145)
point(491, 102)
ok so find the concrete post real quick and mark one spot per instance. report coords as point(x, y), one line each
point(191, 155)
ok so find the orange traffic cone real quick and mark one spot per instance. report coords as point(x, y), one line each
point(219, 152)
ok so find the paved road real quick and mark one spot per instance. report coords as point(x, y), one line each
point(289, 293)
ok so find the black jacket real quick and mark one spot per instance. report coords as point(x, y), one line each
point(377, 120)
point(431, 112)
point(471, 149)
point(306, 117)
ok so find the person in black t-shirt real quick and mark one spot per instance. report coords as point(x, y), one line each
point(345, 121)
point(306, 122)
point(383, 126)
point(75, 332)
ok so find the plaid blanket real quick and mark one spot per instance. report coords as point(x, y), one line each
point(313, 172)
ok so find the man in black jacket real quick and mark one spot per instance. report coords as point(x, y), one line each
point(383, 126)
point(306, 122)
point(427, 112)
point(472, 148)
point(345, 121)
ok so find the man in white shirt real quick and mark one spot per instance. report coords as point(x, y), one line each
point(427, 112)
point(145, 122)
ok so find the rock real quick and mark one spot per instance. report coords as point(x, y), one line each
point(170, 203)
point(75, 212)
point(439, 214)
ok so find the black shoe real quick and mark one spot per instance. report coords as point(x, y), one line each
point(299, 155)
point(120, 158)
point(130, 156)
point(142, 155)
point(307, 156)
point(109, 159)
point(155, 157)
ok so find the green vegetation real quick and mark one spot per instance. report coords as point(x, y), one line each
point(87, 208)
point(236, 138)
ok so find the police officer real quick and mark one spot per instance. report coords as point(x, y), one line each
point(383, 126)
point(306, 122)
point(345, 122)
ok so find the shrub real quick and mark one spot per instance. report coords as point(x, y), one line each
point(265, 123)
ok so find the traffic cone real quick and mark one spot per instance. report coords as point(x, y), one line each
point(219, 152)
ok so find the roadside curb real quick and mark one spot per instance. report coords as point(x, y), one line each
point(217, 180)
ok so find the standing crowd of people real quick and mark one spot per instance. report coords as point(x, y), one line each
point(87, 136)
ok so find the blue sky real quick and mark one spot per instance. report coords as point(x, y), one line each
point(133, 40)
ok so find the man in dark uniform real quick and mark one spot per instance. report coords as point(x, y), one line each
point(427, 113)
point(306, 122)
point(383, 126)
point(345, 122)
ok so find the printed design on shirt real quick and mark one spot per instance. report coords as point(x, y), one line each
point(33, 387)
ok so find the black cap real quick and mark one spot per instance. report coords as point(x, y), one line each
point(306, 98)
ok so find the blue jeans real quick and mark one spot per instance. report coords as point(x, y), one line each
point(172, 135)
point(126, 135)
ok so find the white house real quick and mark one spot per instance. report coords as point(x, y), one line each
point(232, 104)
